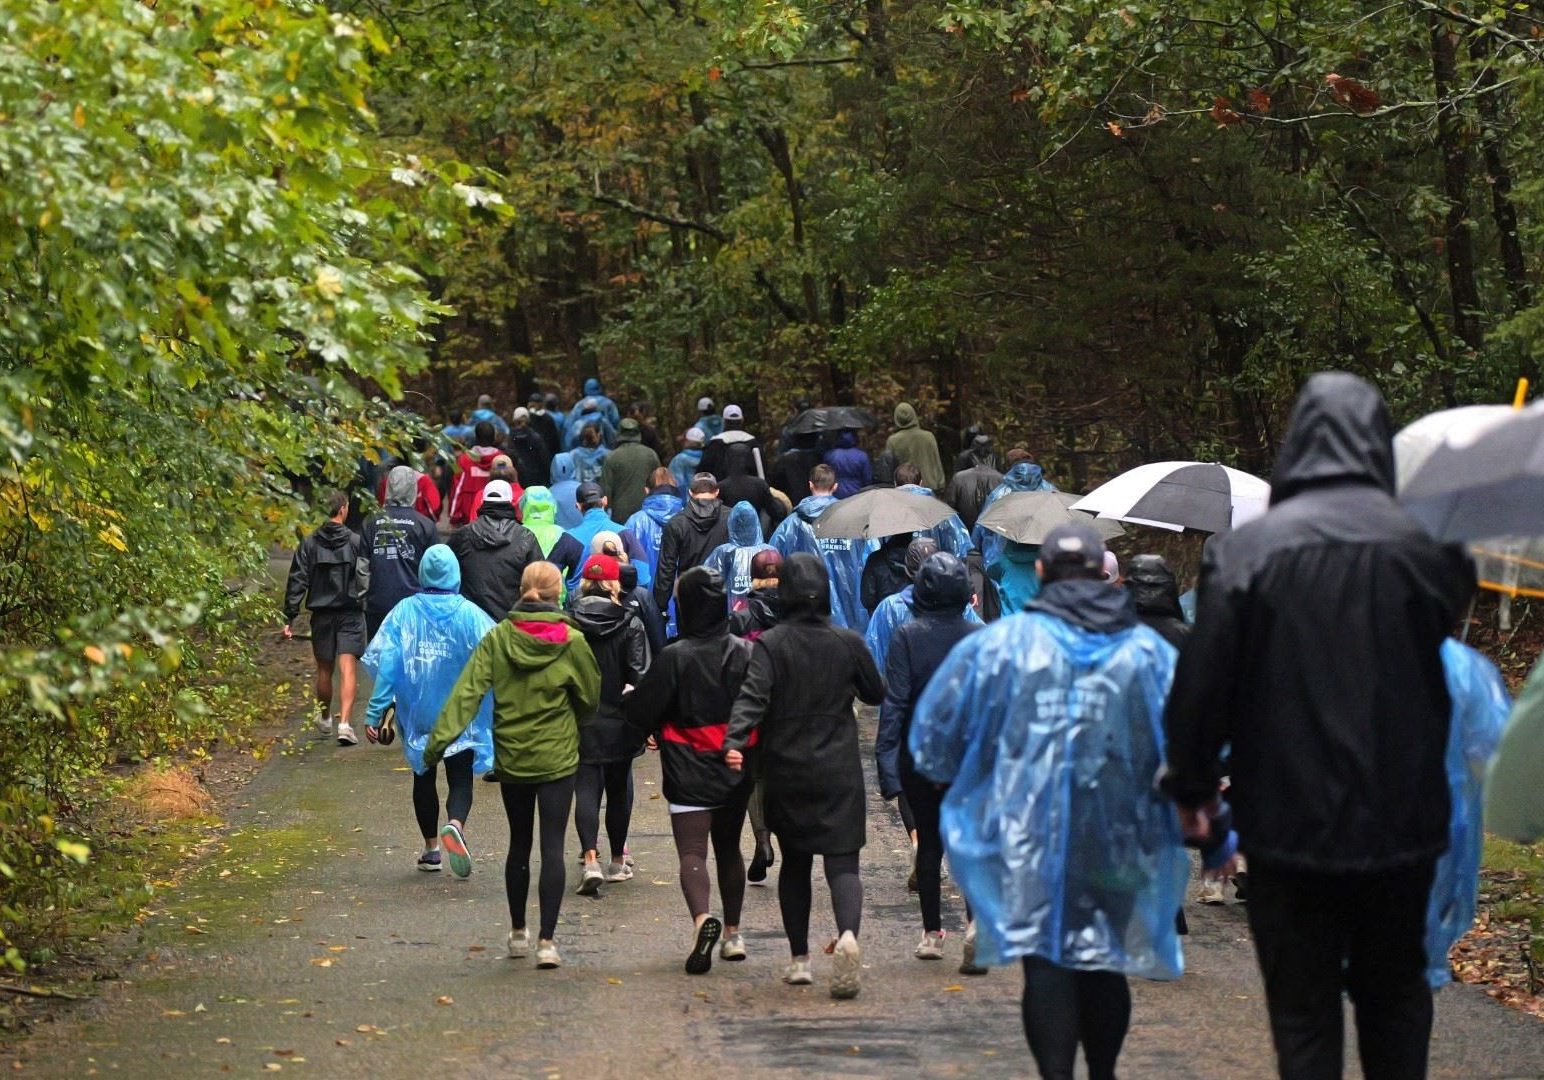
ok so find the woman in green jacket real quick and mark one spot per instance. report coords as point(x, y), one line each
point(544, 678)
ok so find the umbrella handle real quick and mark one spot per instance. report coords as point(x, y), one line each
point(1522, 393)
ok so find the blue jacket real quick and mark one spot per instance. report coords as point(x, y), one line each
point(733, 560)
point(1480, 708)
point(843, 558)
point(1013, 572)
point(683, 467)
point(854, 471)
point(565, 490)
point(608, 408)
point(595, 520)
point(578, 421)
point(892, 613)
point(1025, 476)
point(920, 647)
point(588, 463)
point(950, 533)
point(648, 524)
point(710, 425)
point(1049, 735)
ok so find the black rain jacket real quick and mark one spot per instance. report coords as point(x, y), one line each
point(324, 572)
point(616, 637)
point(1315, 656)
point(701, 526)
point(1155, 594)
point(493, 552)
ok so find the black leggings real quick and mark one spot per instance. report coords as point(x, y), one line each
point(458, 800)
point(908, 815)
point(614, 778)
point(554, 799)
point(926, 798)
point(795, 895)
point(1063, 1008)
point(723, 825)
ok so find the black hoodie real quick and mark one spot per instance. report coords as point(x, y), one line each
point(701, 526)
point(616, 637)
point(323, 573)
point(1155, 594)
point(494, 551)
point(761, 610)
point(1315, 654)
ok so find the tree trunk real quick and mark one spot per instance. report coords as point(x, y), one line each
point(1514, 266)
point(1458, 237)
point(775, 139)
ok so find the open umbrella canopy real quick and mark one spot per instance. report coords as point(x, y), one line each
point(1026, 517)
point(879, 512)
point(1483, 483)
point(1453, 428)
point(834, 418)
point(1180, 495)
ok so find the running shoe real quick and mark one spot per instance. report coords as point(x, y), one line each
point(519, 943)
point(968, 965)
point(1211, 891)
point(700, 960)
point(324, 722)
point(931, 947)
point(619, 871)
point(846, 967)
point(732, 947)
point(627, 856)
point(346, 736)
point(547, 955)
point(590, 883)
point(454, 846)
point(429, 862)
point(761, 862)
point(799, 973)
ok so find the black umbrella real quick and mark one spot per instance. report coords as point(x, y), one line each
point(1027, 516)
point(834, 418)
point(1490, 486)
point(878, 512)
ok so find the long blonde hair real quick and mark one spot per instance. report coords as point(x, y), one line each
point(541, 583)
point(613, 589)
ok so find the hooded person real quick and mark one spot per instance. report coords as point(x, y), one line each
point(528, 447)
point(588, 414)
point(844, 559)
point(1514, 794)
point(539, 511)
point(395, 537)
point(485, 413)
point(739, 483)
point(940, 591)
point(797, 700)
point(684, 702)
point(647, 525)
point(1046, 728)
point(589, 455)
point(884, 571)
point(474, 468)
point(627, 472)
point(688, 463)
point(565, 490)
point(1022, 475)
point(555, 410)
point(1339, 792)
point(731, 560)
point(427, 499)
point(546, 426)
point(689, 536)
point(1155, 594)
point(603, 404)
point(715, 456)
point(494, 551)
point(897, 610)
point(762, 608)
point(978, 451)
point(792, 471)
point(1012, 572)
point(950, 533)
point(847, 459)
point(708, 421)
point(912, 445)
point(970, 486)
point(415, 658)
point(326, 575)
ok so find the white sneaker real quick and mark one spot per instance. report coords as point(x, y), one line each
point(846, 967)
point(619, 871)
point(519, 944)
point(590, 883)
point(547, 955)
point(346, 736)
point(1212, 891)
point(324, 722)
point(732, 948)
point(931, 946)
point(799, 973)
point(968, 965)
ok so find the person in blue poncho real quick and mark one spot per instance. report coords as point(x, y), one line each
point(688, 463)
point(950, 532)
point(1022, 475)
point(416, 657)
point(895, 610)
point(594, 518)
point(588, 414)
point(603, 404)
point(589, 456)
point(732, 560)
point(1047, 727)
point(565, 490)
point(843, 558)
point(647, 526)
point(1013, 572)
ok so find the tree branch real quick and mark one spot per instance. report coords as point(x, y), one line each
point(808, 61)
point(663, 219)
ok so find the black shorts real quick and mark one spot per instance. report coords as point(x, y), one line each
point(337, 632)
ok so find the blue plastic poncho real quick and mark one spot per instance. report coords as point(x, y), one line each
point(585, 414)
point(949, 534)
point(417, 656)
point(647, 526)
point(608, 408)
point(1050, 737)
point(843, 558)
point(1480, 708)
point(684, 466)
point(1025, 476)
point(732, 561)
point(565, 490)
point(589, 463)
point(1013, 572)
point(892, 613)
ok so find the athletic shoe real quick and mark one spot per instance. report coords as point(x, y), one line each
point(619, 871)
point(627, 856)
point(489, 778)
point(798, 973)
point(1241, 886)
point(846, 967)
point(454, 845)
point(732, 947)
point(324, 722)
point(761, 862)
point(931, 947)
point(700, 960)
point(429, 862)
point(346, 736)
point(1211, 891)
point(547, 955)
point(590, 883)
point(968, 965)
point(519, 943)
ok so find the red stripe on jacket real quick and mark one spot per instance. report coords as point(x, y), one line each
point(707, 740)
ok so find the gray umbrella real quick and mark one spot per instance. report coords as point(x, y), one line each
point(878, 512)
point(1492, 485)
point(1026, 516)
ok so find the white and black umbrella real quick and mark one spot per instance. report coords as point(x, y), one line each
point(1483, 483)
point(1027, 516)
point(1180, 495)
point(879, 512)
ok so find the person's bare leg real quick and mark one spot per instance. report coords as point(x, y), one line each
point(324, 685)
point(347, 671)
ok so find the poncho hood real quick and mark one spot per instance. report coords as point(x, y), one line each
point(1340, 432)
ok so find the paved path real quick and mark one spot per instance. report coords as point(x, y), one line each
point(307, 944)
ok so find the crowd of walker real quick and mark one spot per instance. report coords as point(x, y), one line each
point(597, 599)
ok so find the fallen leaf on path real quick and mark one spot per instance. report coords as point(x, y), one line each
point(287, 1001)
point(337, 948)
point(273, 1066)
point(613, 982)
point(200, 1008)
point(477, 948)
point(195, 930)
point(444, 999)
point(173, 1012)
point(953, 989)
point(222, 1041)
point(342, 1042)
point(284, 1053)
point(322, 961)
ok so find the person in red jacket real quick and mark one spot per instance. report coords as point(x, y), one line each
point(474, 468)
point(426, 502)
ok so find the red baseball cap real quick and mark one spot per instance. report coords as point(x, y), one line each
point(601, 568)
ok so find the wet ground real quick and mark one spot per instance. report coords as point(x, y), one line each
point(307, 944)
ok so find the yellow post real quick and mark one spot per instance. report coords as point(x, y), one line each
point(1522, 394)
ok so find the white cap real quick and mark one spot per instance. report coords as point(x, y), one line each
point(696, 435)
point(704, 404)
point(522, 413)
point(732, 412)
point(1111, 566)
point(498, 491)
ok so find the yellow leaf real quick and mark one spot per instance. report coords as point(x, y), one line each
point(329, 282)
point(94, 654)
point(956, 988)
point(322, 961)
point(444, 999)
point(112, 536)
point(80, 116)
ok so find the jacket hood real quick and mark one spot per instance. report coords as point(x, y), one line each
point(812, 506)
point(563, 467)
point(1020, 554)
point(1339, 433)
point(599, 616)
point(1025, 476)
point(484, 455)
point(480, 415)
point(333, 535)
point(1096, 606)
point(439, 569)
point(905, 416)
point(401, 486)
point(538, 507)
point(661, 505)
point(702, 605)
point(804, 587)
point(1153, 588)
point(495, 525)
point(702, 514)
point(744, 525)
point(541, 636)
point(942, 584)
point(846, 440)
point(592, 388)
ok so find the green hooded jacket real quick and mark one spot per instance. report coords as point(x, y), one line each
point(544, 679)
point(911, 445)
point(1514, 795)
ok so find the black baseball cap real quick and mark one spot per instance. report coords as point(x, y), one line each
point(590, 494)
